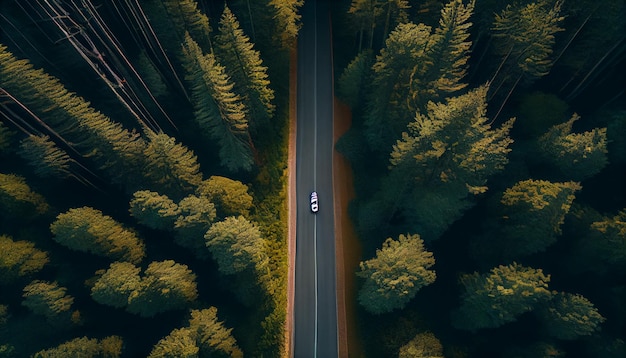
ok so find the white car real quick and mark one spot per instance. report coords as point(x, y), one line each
point(314, 205)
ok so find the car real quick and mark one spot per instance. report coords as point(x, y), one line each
point(314, 204)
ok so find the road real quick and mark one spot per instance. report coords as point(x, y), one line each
point(315, 302)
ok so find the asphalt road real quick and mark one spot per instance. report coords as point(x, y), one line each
point(315, 303)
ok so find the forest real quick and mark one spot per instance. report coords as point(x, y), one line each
point(488, 145)
point(143, 155)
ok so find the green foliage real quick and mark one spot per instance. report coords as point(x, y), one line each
point(47, 299)
point(393, 277)
point(17, 200)
point(186, 17)
point(154, 210)
point(353, 81)
point(236, 244)
point(219, 111)
point(570, 316)
point(603, 247)
point(424, 345)
point(108, 347)
point(171, 168)
point(19, 259)
point(5, 137)
point(368, 15)
point(151, 75)
point(577, 156)
point(246, 70)
point(46, 158)
point(204, 336)
point(287, 20)
point(524, 35)
point(165, 286)
point(491, 300)
point(231, 197)
point(89, 230)
point(197, 214)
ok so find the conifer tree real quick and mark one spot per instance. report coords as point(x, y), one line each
point(186, 17)
point(603, 247)
point(117, 285)
point(231, 197)
point(246, 70)
point(393, 277)
point(367, 15)
point(570, 316)
point(171, 168)
point(19, 259)
point(179, 343)
point(287, 20)
point(154, 210)
point(424, 345)
point(47, 299)
point(577, 156)
point(17, 200)
point(499, 297)
point(218, 110)
point(108, 347)
point(89, 230)
point(197, 214)
point(236, 244)
point(354, 79)
point(46, 158)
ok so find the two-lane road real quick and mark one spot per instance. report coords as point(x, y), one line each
point(315, 305)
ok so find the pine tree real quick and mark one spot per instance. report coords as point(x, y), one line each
point(424, 345)
point(45, 157)
point(576, 156)
point(236, 244)
point(218, 110)
point(18, 201)
point(570, 316)
point(186, 17)
point(393, 277)
point(287, 20)
point(89, 230)
point(246, 70)
point(154, 210)
point(180, 342)
point(117, 285)
point(197, 214)
point(47, 299)
point(367, 15)
point(171, 168)
point(491, 300)
point(19, 259)
point(231, 197)
point(354, 80)
point(602, 247)
point(108, 347)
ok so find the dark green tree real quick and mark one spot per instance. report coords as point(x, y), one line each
point(89, 230)
point(197, 214)
point(576, 156)
point(353, 82)
point(246, 70)
point(367, 15)
point(154, 210)
point(219, 111)
point(117, 285)
point(171, 168)
point(48, 299)
point(181, 342)
point(186, 17)
point(231, 197)
point(287, 20)
point(569, 316)
point(108, 347)
point(46, 158)
point(19, 259)
point(393, 277)
point(499, 297)
point(602, 247)
point(18, 201)
point(6, 136)
point(236, 244)
point(424, 345)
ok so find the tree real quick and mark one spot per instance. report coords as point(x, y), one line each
point(424, 345)
point(443, 160)
point(197, 214)
point(165, 286)
point(602, 247)
point(246, 70)
point(171, 168)
point(19, 259)
point(236, 244)
point(576, 156)
point(5, 137)
point(353, 82)
point(17, 200)
point(218, 110)
point(393, 277)
point(47, 299)
point(569, 316)
point(46, 158)
point(203, 336)
point(491, 300)
point(186, 17)
point(231, 197)
point(154, 210)
point(368, 14)
point(89, 230)
point(287, 20)
point(108, 347)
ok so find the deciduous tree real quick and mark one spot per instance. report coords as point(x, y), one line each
point(393, 277)
point(89, 230)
